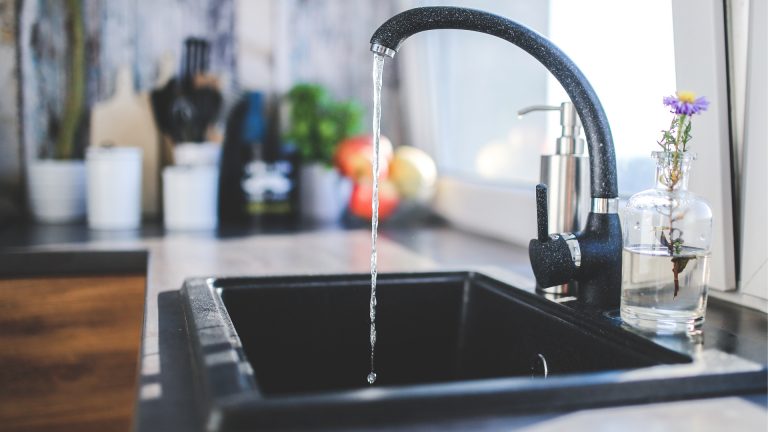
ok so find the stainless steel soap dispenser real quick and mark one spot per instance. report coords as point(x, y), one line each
point(566, 174)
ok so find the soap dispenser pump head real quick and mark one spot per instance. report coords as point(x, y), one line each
point(569, 141)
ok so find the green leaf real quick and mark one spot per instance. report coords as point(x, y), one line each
point(318, 123)
point(680, 263)
point(663, 240)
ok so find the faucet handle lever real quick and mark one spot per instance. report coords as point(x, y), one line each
point(542, 219)
point(552, 260)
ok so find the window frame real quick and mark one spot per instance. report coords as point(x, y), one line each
point(748, 72)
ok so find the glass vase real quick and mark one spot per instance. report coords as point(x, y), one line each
point(667, 237)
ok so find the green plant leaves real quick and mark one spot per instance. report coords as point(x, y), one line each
point(318, 123)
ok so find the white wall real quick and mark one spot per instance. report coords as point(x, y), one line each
point(284, 42)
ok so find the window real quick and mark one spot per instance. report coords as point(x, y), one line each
point(626, 50)
point(480, 82)
point(462, 90)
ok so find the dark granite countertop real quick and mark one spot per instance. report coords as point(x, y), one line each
point(166, 396)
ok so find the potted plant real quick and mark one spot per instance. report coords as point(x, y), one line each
point(57, 180)
point(317, 124)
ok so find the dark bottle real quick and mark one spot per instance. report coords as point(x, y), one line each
point(257, 183)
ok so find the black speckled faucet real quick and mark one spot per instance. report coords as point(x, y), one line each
point(593, 256)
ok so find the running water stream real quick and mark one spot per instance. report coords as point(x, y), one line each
point(378, 69)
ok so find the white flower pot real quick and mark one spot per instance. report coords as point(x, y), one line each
point(57, 190)
point(324, 193)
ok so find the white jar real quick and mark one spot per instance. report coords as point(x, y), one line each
point(114, 187)
point(190, 197)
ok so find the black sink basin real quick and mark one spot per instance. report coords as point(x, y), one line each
point(301, 339)
point(294, 352)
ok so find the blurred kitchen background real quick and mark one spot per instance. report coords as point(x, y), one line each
point(240, 109)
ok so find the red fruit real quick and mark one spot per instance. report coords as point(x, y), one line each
point(362, 195)
point(354, 157)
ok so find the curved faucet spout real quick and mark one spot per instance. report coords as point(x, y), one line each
point(389, 36)
point(593, 256)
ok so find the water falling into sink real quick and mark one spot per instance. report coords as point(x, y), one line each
point(378, 69)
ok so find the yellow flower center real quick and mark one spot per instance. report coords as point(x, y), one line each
point(686, 96)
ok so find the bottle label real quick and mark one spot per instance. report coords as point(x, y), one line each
point(268, 187)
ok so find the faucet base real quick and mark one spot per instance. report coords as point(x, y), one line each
point(567, 289)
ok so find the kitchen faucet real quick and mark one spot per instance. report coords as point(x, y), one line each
point(593, 256)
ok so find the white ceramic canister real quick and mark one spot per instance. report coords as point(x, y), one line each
point(114, 187)
point(190, 197)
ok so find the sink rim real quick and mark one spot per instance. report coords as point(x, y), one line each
point(230, 391)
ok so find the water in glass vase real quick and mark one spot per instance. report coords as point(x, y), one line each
point(663, 293)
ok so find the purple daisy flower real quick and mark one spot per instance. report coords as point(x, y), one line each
point(686, 103)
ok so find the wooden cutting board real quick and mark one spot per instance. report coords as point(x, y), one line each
point(126, 120)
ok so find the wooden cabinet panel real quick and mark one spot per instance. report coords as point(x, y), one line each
point(69, 351)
